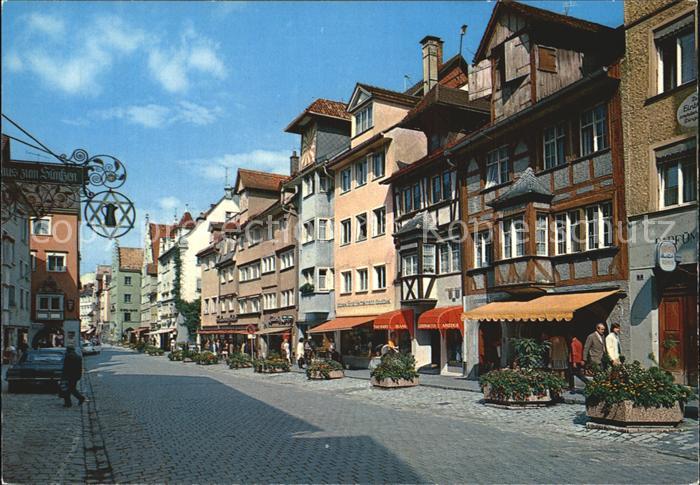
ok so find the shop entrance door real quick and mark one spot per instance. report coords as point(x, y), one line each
point(435, 348)
point(678, 324)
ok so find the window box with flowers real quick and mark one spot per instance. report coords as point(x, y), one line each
point(306, 289)
point(630, 395)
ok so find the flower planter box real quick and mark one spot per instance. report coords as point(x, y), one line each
point(334, 374)
point(626, 413)
point(532, 399)
point(392, 384)
point(270, 371)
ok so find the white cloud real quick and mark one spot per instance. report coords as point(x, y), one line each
point(158, 116)
point(173, 67)
point(169, 203)
point(46, 24)
point(76, 61)
point(276, 161)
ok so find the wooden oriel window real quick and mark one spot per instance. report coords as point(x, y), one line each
point(547, 59)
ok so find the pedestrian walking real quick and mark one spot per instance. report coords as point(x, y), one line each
point(558, 354)
point(594, 348)
point(72, 372)
point(286, 350)
point(612, 344)
point(300, 353)
point(576, 362)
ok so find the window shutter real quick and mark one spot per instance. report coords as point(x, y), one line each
point(517, 57)
point(547, 59)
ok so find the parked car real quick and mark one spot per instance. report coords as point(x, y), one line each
point(39, 367)
point(90, 348)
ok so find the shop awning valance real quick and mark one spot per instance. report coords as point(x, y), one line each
point(341, 323)
point(442, 318)
point(162, 330)
point(545, 308)
point(394, 320)
point(274, 330)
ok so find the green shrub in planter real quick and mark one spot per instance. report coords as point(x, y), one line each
point(323, 368)
point(207, 358)
point(140, 346)
point(519, 384)
point(395, 366)
point(175, 355)
point(271, 364)
point(648, 388)
point(238, 360)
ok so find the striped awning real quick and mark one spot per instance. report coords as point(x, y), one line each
point(274, 330)
point(548, 308)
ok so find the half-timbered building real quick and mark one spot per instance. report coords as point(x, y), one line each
point(542, 185)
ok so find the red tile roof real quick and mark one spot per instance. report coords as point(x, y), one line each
point(253, 179)
point(130, 259)
point(320, 107)
point(186, 221)
point(156, 232)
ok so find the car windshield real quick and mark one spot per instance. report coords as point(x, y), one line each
point(44, 357)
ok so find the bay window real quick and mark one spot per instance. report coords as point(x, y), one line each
point(409, 264)
point(599, 226)
point(541, 235)
point(428, 259)
point(513, 240)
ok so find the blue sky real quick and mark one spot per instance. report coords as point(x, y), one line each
point(179, 91)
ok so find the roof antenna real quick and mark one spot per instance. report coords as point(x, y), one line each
point(406, 78)
point(226, 178)
point(462, 32)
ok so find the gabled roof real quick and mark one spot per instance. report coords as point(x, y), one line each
point(455, 99)
point(526, 187)
point(155, 233)
point(321, 107)
point(455, 61)
point(534, 15)
point(186, 221)
point(381, 94)
point(130, 259)
point(254, 179)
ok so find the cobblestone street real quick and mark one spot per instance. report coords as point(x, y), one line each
point(152, 420)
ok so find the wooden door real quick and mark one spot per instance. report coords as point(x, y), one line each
point(678, 336)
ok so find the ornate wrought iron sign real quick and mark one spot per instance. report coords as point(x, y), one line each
point(80, 178)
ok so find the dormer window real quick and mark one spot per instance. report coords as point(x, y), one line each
point(363, 120)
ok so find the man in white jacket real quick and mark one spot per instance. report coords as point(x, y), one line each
point(612, 344)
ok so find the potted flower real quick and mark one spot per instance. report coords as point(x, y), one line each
point(271, 365)
point(189, 355)
point(238, 360)
point(207, 358)
point(175, 355)
point(320, 369)
point(306, 289)
point(527, 382)
point(628, 394)
point(395, 370)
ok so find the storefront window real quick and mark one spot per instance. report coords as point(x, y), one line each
point(362, 341)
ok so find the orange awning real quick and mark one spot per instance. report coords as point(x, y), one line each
point(341, 323)
point(442, 318)
point(394, 320)
point(545, 308)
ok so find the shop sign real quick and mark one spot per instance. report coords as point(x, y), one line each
point(42, 173)
point(666, 256)
point(250, 329)
point(687, 114)
point(363, 303)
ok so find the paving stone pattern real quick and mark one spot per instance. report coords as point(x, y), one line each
point(169, 422)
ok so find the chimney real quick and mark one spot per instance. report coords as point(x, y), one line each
point(432, 60)
point(293, 163)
